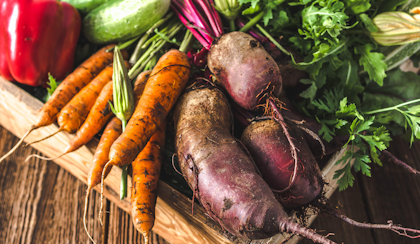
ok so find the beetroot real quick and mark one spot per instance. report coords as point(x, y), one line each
point(221, 174)
point(244, 68)
point(270, 149)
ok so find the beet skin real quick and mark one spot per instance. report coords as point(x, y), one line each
point(244, 68)
point(221, 174)
point(270, 150)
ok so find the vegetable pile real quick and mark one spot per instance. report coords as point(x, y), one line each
point(298, 77)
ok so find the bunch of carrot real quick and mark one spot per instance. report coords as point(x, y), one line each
point(82, 105)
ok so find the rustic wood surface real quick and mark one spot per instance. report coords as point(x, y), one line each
point(43, 203)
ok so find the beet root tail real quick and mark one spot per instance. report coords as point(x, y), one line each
point(290, 226)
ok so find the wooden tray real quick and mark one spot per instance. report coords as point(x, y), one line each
point(174, 221)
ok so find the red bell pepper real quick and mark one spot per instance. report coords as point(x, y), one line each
point(37, 37)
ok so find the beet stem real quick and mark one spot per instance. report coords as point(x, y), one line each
point(290, 226)
point(327, 208)
point(279, 118)
point(314, 135)
point(401, 163)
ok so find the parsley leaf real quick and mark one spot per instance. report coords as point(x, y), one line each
point(52, 83)
point(358, 6)
point(373, 62)
point(344, 175)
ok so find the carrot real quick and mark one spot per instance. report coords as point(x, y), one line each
point(97, 118)
point(165, 84)
point(101, 113)
point(112, 131)
point(146, 171)
point(72, 116)
point(75, 112)
point(72, 84)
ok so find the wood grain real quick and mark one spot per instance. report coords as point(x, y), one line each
point(394, 194)
point(43, 203)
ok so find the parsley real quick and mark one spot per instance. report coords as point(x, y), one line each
point(52, 83)
point(354, 88)
point(411, 115)
point(373, 62)
point(361, 132)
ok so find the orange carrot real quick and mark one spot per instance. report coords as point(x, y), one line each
point(165, 84)
point(72, 84)
point(72, 116)
point(146, 171)
point(97, 118)
point(100, 114)
point(113, 129)
point(111, 133)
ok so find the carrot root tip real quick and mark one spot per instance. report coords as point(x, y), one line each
point(17, 144)
point(51, 135)
point(84, 215)
point(43, 158)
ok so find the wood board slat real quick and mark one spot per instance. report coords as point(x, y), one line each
point(393, 194)
point(40, 202)
point(174, 221)
point(55, 210)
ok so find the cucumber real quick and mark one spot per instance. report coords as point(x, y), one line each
point(85, 6)
point(121, 20)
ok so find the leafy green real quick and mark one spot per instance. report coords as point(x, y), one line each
point(373, 62)
point(362, 132)
point(353, 87)
point(52, 83)
point(358, 6)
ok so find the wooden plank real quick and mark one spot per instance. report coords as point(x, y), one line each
point(394, 194)
point(18, 111)
point(351, 203)
point(43, 203)
point(122, 231)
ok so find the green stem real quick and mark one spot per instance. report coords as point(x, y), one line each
point(138, 51)
point(252, 22)
point(128, 43)
point(257, 18)
point(393, 107)
point(124, 124)
point(156, 36)
point(272, 39)
point(148, 55)
point(232, 25)
point(123, 187)
point(186, 42)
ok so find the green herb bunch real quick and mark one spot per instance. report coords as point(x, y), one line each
point(355, 88)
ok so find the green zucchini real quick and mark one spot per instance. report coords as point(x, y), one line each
point(85, 6)
point(121, 20)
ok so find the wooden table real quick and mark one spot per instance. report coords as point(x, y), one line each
point(42, 203)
